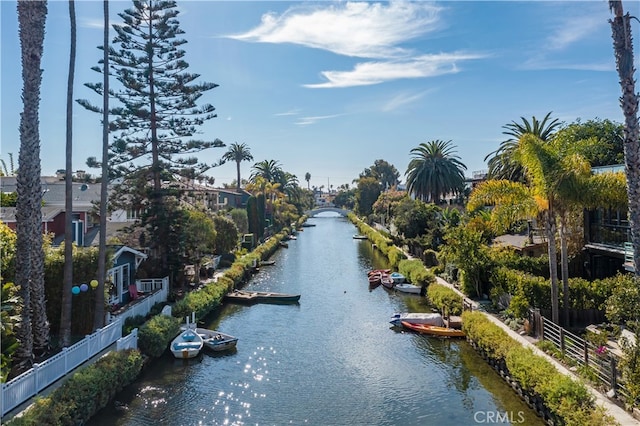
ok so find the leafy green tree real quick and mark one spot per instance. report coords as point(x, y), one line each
point(9, 312)
point(227, 236)
point(345, 198)
point(623, 306)
point(384, 172)
point(252, 215)
point(200, 235)
point(623, 49)
point(502, 164)
point(7, 253)
point(238, 153)
point(419, 223)
point(168, 220)
point(384, 206)
point(241, 220)
point(465, 248)
point(367, 193)
point(435, 171)
point(9, 317)
point(261, 204)
point(607, 147)
point(33, 329)
point(8, 199)
point(158, 113)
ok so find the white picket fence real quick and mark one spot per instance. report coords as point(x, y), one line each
point(31, 382)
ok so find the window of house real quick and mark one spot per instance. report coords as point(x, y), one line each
point(134, 213)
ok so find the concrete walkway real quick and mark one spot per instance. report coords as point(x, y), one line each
point(623, 417)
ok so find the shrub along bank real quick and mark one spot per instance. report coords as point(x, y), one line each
point(86, 392)
point(384, 244)
point(415, 271)
point(553, 395)
point(445, 299)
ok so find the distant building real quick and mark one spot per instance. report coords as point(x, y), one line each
point(86, 201)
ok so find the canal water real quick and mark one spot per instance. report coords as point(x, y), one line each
point(332, 359)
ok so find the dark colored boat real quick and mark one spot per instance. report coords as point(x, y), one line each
point(261, 297)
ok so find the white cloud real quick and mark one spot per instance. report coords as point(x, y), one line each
point(567, 36)
point(573, 30)
point(357, 29)
point(402, 100)
point(290, 112)
point(540, 64)
point(369, 73)
point(305, 121)
point(93, 23)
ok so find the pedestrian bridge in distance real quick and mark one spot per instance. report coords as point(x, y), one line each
point(318, 210)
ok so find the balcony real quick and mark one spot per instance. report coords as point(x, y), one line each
point(629, 264)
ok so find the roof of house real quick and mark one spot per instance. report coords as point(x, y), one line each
point(54, 189)
point(8, 214)
point(518, 241)
point(92, 237)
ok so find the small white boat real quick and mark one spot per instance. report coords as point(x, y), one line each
point(360, 237)
point(397, 277)
point(216, 340)
point(417, 318)
point(408, 288)
point(187, 344)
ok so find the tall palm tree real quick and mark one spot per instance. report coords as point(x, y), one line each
point(67, 281)
point(434, 171)
point(307, 177)
point(501, 162)
point(623, 49)
point(238, 153)
point(33, 331)
point(98, 315)
point(270, 170)
point(559, 179)
point(289, 186)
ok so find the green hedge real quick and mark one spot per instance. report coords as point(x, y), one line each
point(583, 294)
point(86, 392)
point(445, 299)
point(415, 271)
point(156, 334)
point(568, 400)
point(384, 244)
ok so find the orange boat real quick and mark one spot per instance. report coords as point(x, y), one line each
point(433, 330)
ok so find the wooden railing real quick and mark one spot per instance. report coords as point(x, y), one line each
point(602, 362)
point(158, 291)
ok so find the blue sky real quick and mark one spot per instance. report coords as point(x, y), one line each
point(329, 87)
